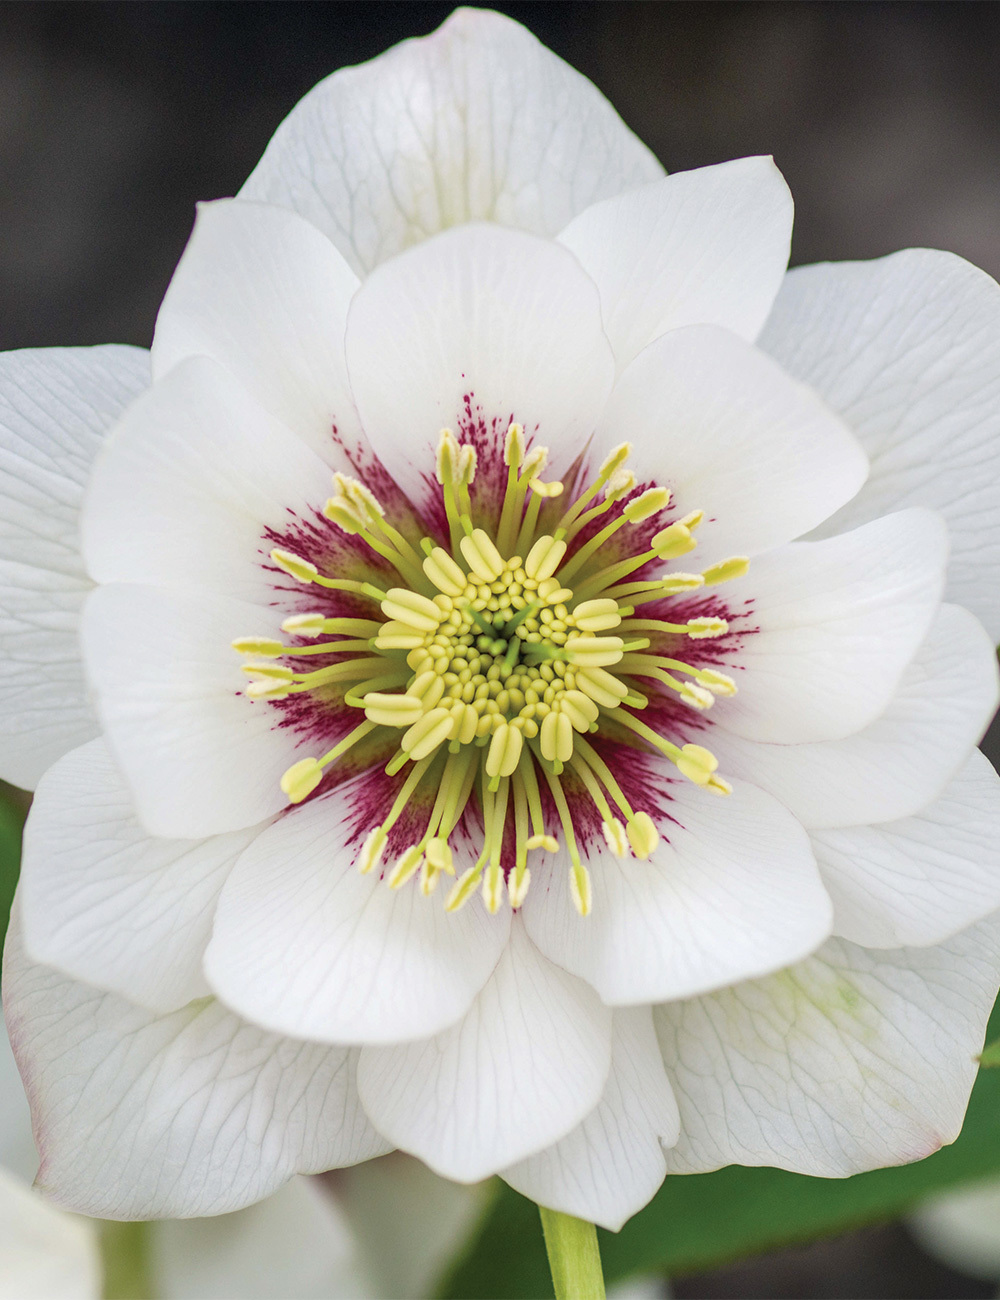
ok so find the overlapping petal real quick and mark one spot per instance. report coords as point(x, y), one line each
point(612, 1163)
point(708, 246)
point(56, 406)
point(731, 891)
point(523, 1068)
point(717, 422)
point(477, 327)
point(197, 1112)
point(182, 493)
point(848, 1061)
point(45, 1253)
point(901, 761)
point(199, 757)
point(476, 122)
point(904, 348)
point(262, 292)
point(306, 945)
point(835, 625)
point(923, 878)
point(107, 903)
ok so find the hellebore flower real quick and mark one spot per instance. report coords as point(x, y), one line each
point(487, 767)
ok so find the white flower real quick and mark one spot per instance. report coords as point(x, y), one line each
point(205, 992)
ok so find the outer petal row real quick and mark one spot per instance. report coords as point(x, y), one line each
point(477, 122)
point(56, 405)
point(924, 878)
point(108, 904)
point(904, 348)
point(849, 1061)
point(192, 1113)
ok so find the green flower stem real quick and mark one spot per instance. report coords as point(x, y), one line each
point(574, 1258)
point(125, 1252)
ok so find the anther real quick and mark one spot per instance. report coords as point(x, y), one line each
point(294, 565)
point(448, 457)
point(737, 566)
point(579, 888)
point(372, 850)
point(615, 458)
point(647, 504)
point(482, 556)
point(701, 629)
point(392, 710)
point(517, 886)
point(696, 763)
point(462, 890)
point(301, 779)
point(642, 833)
point(268, 647)
point(305, 624)
point(513, 447)
point(407, 865)
point(544, 558)
point(672, 541)
point(493, 888)
point(445, 573)
point(412, 608)
point(614, 833)
point(597, 615)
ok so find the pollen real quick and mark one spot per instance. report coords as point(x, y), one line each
point(495, 667)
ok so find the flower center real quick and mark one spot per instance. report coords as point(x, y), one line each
point(496, 658)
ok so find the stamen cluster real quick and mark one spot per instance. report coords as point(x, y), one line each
point(494, 660)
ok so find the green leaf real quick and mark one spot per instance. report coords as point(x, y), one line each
point(13, 810)
point(701, 1221)
point(991, 1054)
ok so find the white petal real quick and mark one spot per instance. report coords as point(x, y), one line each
point(612, 1163)
point(902, 760)
point(142, 1116)
point(183, 491)
point(962, 1227)
point(922, 879)
point(45, 1253)
point(409, 1223)
point(199, 757)
point(297, 1245)
point(837, 623)
point(471, 330)
point(849, 1061)
point(265, 294)
point(56, 405)
point(106, 903)
point(708, 246)
point(527, 1063)
point(17, 1146)
point(729, 433)
point(905, 349)
point(732, 891)
point(306, 945)
point(478, 121)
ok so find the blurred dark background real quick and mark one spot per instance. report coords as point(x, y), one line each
point(116, 117)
